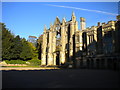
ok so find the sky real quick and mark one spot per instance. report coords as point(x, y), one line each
point(29, 18)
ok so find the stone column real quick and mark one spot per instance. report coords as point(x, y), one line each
point(84, 35)
point(73, 27)
point(63, 42)
point(76, 26)
point(54, 47)
point(77, 41)
point(84, 43)
point(95, 34)
point(71, 40)
point(81, 42)
point(44, 46)
point(99, 39)
point(82, 23)
point(90, 38)
point(88, 52)
point(87, 39)
point(50, 54)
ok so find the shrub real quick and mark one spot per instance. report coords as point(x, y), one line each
point(34, 62)
point(7, 61)
point(15, 62)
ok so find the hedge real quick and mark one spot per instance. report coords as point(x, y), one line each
point(34, 62)
point(15, 62)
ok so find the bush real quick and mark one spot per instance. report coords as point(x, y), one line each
point(34, 62)
point(15, 62)
point(7, 61)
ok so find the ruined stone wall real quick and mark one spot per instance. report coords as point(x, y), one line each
point(74, 43)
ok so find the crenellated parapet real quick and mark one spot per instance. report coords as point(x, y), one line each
point(110, 25)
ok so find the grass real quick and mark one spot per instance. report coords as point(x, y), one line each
point(23, 66)
point(32, 63)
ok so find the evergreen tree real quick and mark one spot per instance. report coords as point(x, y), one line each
point(0, 42)
point(7, 42)
point(17, 48)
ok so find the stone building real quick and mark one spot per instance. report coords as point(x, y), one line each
point(78, 46)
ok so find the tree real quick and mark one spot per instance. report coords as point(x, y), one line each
point(34, 50)
point(26, 53)
point(7, 42)
point(32, 39)
point(0, 42)
point(17, 48)
point(14, 48)
point(39, 46)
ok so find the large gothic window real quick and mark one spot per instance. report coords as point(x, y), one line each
point(58, 36)
point(58, 31)
point(58, 27)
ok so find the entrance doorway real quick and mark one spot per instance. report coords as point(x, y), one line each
point(57, 58)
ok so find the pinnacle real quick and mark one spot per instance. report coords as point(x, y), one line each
point(64, 19)
point(73, 14)
point(45, 27)
point(51, 24)
point(57, 17)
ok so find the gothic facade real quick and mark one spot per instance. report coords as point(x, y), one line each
point(64, 42)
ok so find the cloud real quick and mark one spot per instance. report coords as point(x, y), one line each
point(97, 11)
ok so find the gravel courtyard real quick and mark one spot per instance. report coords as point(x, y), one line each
point(65, 78)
